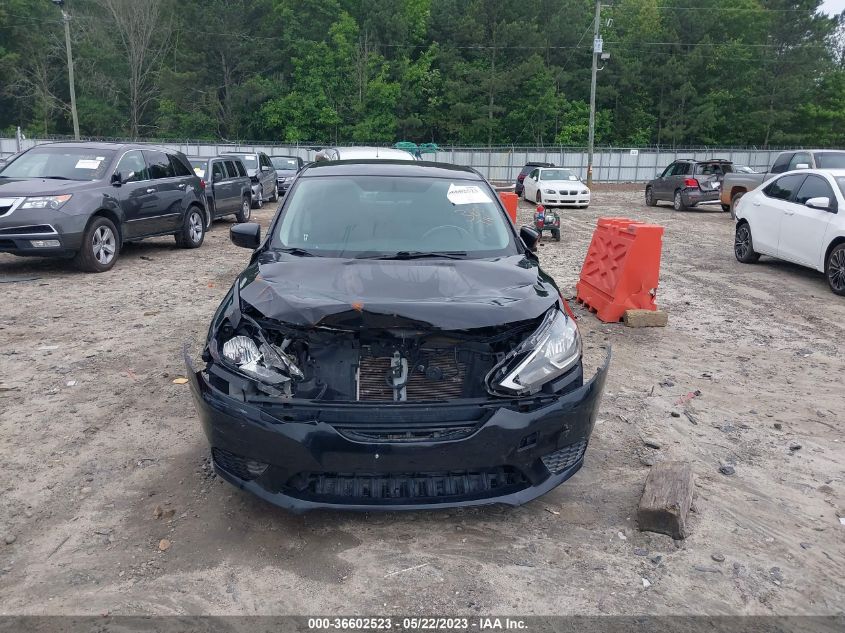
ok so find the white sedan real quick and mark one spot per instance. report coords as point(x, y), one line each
point(800, 217)
point(554, 186)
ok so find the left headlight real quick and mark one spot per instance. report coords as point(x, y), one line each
point(552, 350)
point(45, 202)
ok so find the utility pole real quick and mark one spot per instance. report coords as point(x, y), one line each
point(66, 20)
point(597, 50)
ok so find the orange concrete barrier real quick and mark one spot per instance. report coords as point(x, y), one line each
point(621, 269)
point(511, 202)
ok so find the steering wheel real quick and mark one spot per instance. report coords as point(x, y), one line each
point(442, 227)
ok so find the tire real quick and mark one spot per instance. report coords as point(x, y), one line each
point(210, 220)
point(538, 199)
point(260, 202)
point(650, 200)
point(275, 196)
point(556, 234)
point(734, 200)
point(678, 201)
point(744, 244)
point(521, 194)
point(192, 233)
point(835, 269)
point(726, 208)
point(100, 247)
point(245, 212)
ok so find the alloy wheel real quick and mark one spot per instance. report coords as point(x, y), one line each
point(246, 211)
point(195, 227)
point(836, 271)
point(742, 242)
point(104, 244)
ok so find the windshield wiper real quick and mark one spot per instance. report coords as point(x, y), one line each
point(419, 255)
point(55, 178)
point(299, 252)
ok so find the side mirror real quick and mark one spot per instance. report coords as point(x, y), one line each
point(246, 235)
point(802, 166)
point(116, 179)
point(822, 203)
point(529, 236)
point(216, 177)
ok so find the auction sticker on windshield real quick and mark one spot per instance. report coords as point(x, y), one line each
point(467, 194)
point(87, 163)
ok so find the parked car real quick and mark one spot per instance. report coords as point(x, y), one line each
point(228, 189)
point(796, 217)
point(260, 169)
point(287, 167)
point(365, 357)
point(85, 200)
point(556, 186)
point(687, 183)
point(362, 153)
point(527, 169)
point(738, 184)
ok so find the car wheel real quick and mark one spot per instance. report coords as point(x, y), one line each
point(556, 234)
point(100, 247)
point(726, 208)
point(649, 197)
point(678, 201)
point(245, 212)
point(538, 198)
point(193, 230)
point(275, 197)
point(520, 194)
point(836, 269)
point(209, 219)
point(734, 201)
point(744, 244)
point(260, 202)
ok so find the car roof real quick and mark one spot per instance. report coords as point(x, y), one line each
point(389, 167)
point(107, 145)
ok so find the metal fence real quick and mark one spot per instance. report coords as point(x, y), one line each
point(610, 164)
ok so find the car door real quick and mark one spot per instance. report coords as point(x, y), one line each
point(530, 185)
point(168, 211)
point(766, 210)
point(219, 188)
point(136, 195)
point(233, 190)
point(268, 175)
point(803, 228)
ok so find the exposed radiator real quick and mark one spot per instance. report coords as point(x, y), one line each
point(442, 377)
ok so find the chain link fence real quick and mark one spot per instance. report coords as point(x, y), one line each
point(500, 164)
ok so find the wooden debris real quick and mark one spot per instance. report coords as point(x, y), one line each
point(645, 318)
point(667, 497)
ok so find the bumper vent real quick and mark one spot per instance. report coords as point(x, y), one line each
point(240, 467)
point(565, 457)
point(441, 377)
point(416, 487)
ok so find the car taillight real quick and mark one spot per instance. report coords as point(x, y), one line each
point(202, 184)
point(521, 177)
point(691, 182)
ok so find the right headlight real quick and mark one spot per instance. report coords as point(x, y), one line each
point(45, 202)
point(548, 190)
point(552, 350)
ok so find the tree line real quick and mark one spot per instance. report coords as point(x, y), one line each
point(470, 72)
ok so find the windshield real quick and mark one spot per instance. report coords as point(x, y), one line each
point(557, 174)
point(64, 163)
point(284, 163)
point(830, 160)
point(370, 216)
point(249, 160)
point(199, 167)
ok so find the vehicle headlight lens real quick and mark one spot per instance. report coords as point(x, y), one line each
point(552, 350)
point(548, 190)
point(585, 191)
point(241, 350)
point(45, 202)
point(267, 363)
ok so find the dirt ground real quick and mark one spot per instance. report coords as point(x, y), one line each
point(95, 436)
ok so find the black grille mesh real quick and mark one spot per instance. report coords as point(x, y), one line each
point(241, 467)
point(565, 457)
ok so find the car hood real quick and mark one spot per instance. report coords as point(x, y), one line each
point(12, 187)
point(358, 294)
point(561, 183)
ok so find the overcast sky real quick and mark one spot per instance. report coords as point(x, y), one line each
point(833, 6)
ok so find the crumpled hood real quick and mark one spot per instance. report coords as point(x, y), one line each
point(443, 294)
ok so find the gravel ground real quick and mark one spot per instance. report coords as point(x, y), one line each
point(103, 457)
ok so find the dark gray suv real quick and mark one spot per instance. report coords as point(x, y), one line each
point(85, 200)
point(228, 190)
point(263, 175)
point(687, 182)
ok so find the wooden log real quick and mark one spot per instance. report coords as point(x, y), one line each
point(667, 497)
point(645, 318)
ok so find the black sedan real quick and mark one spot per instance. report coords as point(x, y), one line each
point(393, 344)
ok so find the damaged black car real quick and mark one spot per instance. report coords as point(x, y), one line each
point(393, 344)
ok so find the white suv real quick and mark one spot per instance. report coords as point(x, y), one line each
point(798, 216)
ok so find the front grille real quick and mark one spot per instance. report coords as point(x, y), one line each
point(408, 487)
point(28, 230)
point(565, 457)
point(240, 467)
point(444, 381)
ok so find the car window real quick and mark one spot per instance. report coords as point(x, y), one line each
point(265, 162)
point(159, 165)
point(217, 171)
point(781, 163)
point(285, 163)
point(351, 216)
point(534, 173)
point(179, 167)
point(62, 162)
point(711, 169)
point(668, 170)
point(840, 180)
point(240, 167)
point(132, 167)
point(231, 170)
point(830, 160)
point(782, 188)
point(814, 187)
point(199, 167)
point(800, 158)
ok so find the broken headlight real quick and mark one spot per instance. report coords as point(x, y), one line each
point(265, 362)
point(552, 350)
